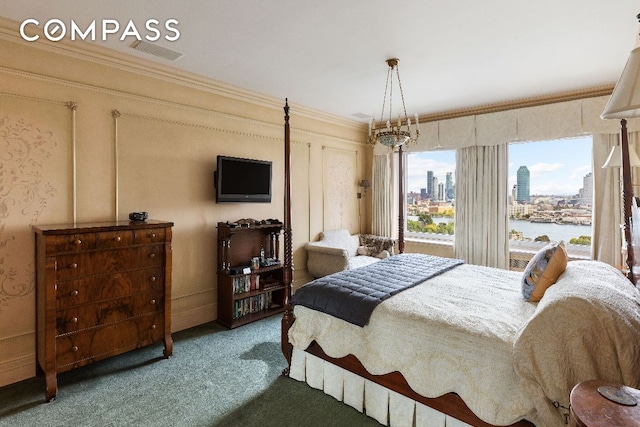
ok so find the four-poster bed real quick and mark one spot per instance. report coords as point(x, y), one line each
point(499, 386)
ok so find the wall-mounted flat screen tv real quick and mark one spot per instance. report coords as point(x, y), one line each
point(243, 180)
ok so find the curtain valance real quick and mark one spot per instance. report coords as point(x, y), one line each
point(544, 122)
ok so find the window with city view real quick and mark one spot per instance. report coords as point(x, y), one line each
point(551, 196)
point(431, 193)
point(551, 191)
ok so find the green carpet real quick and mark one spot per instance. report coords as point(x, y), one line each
point(216, 377)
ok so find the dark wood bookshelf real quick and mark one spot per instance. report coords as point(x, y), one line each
point(238, 242)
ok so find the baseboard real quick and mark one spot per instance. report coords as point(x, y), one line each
point(18, 360)
point(193, 317)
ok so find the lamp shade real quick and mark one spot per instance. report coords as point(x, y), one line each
point(625, 98)
point(615, 158)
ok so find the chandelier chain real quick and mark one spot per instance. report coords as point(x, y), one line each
point(391, 94)
point(404, 107)
point(384, 100)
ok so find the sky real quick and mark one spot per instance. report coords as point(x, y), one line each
point(555, 167)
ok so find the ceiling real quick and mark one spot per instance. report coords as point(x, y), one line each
point(330, 55)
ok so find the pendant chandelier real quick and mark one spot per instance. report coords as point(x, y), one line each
point(394, 134)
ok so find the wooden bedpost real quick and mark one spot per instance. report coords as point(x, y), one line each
point(400, 201)
point(627, 198)
point(287, 274)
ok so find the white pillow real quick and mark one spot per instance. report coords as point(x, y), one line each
point(384, 254)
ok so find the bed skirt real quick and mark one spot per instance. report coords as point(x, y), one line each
point(384, 405)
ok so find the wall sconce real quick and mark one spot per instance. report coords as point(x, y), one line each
point(364, 184)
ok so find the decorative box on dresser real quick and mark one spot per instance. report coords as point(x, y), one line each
point(247, 293)
point(102, 289)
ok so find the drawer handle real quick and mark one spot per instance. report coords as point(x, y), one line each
point(153, 326)
point(118, 238)
point(77, 242)
point(74, 320)
point(74, 348)
point(73, 265)
point(152, 278)
point(74, 293)
point(152, 255)
point(153, 235)
point(152, 302)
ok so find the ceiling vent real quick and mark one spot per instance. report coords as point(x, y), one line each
point(156, 50)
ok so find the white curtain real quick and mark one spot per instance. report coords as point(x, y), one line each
point(607, 208)
point(481, 220)
point(607, 240)
point(382, 190)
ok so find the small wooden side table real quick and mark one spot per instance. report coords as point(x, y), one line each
point(590, 409)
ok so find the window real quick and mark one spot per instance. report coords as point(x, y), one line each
point(550, 199)
point(551, 184)
point(430, 195)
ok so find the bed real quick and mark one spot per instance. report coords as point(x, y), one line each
point(463, 347)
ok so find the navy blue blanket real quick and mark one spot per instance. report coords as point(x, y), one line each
point(352, 295)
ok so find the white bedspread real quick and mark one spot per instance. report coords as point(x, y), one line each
point(456, 333)
point(587, 326)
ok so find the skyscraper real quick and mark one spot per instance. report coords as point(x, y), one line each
point(434, 188)
point(430, 184)
point(449, 192)
point(586, 192)
point(523, 182)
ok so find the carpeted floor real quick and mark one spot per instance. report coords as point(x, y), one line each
point(216, 377)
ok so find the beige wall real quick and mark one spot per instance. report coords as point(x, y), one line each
point(145, 138)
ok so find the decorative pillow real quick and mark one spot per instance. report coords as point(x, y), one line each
point(377, 243)
point(384, 254)
point(367, 250)
point(543, 270)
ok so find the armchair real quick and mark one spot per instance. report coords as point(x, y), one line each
point(337, 250)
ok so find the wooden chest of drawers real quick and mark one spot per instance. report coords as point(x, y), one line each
point(102, 289)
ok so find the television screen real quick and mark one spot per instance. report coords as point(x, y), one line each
point(243, 180)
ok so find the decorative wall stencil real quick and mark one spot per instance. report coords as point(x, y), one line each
point(35, 187)
point(24, 194)
point(339, 172)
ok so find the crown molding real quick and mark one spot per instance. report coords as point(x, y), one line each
point(86, 51)
point(520, 103)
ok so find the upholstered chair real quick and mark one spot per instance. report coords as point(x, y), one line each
point(338, 250)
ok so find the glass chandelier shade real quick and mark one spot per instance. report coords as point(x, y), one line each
point(395, 133)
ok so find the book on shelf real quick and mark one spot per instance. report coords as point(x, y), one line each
point(269, 283)
point(250, 282)
point(252, 304)
point(241, 284)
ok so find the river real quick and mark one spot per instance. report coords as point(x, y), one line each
point(565, 232)
point(531, 230)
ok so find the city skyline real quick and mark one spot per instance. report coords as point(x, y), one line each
point(556, 167)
